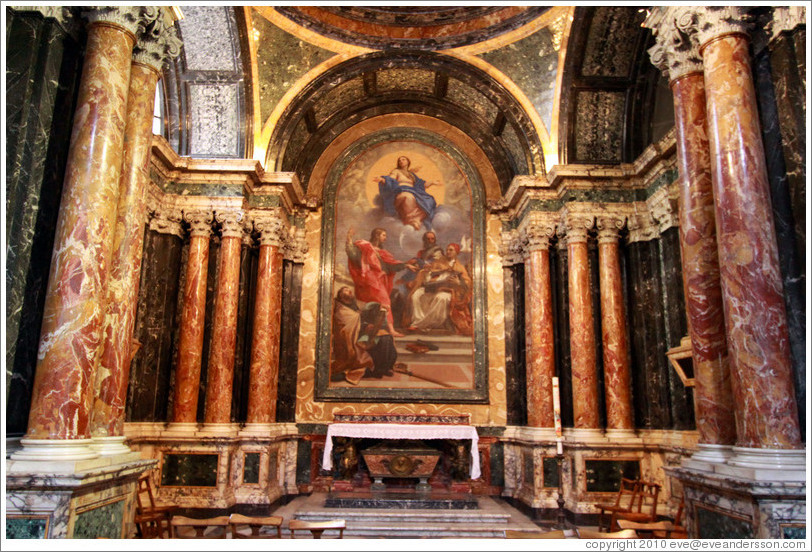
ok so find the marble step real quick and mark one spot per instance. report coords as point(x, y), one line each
point(375, 526)
point(405, 516)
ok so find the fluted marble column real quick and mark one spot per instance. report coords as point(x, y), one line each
point(617, 378)
point(71, 337)
point(677, 56)
point(539, 340)
point(582, 330)
point(112, 375)
point(266, 336)
point(224, 327)
point(192, 319)
point(755, 314)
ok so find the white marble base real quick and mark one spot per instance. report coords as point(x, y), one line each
point(218, 430)
point(55, 450)
point(109, 446)
point(766, 464)
point(622, 435)
point(708, 456)
point(180, 429)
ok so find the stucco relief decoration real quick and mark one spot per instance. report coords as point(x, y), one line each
point(401, 314)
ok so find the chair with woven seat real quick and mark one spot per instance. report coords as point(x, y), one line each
point(193, 528)
point(239, 523)
point(645, 510)
point(151, 520)
point(316, 528)
point(625, 500)
point(623, 534)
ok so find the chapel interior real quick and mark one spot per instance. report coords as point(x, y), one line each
point(430, 261)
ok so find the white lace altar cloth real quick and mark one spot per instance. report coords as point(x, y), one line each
point(402, 431)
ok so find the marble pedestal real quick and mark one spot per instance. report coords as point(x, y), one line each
point(720, 504)
point(73, 499)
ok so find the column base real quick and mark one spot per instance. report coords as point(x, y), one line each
point(707, 456)
point(55, 450)
point(770, 464)
point(585, 434)
point(109, 446)
point(257, 429)
point(621, 434)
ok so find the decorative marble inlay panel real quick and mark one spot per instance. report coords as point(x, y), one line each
point(342, 95)
point(514, 146)
point(550, 471)
point(468, 97)
point(214, 120)
point(717, 525)
point(250, 471)
point(599, 124)
point(207, 38)
point(420, 80)
point(101, 522)
point(610, 47)
point(603, 476)
point(26, 527)
point(189, 470)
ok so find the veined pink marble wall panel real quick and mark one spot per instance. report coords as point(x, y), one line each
point(224, 334)
point(615, 350)
point(539, 330)
point(755, 315)
point(190, 347)
point(74, 307)
point(715, 421)
point(262, 392)
point(113, 372)
point(582, 339)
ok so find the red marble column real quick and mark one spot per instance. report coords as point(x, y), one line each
point(582, 330)
point(192, 319)
point(617, 378)
point(74, 308)
point(755, 314)
point(713, 396)
point(262, 393)
point(224, 328)
point(540, 355)
point(112, 375)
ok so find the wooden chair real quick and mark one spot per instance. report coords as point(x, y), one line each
point(208, 528)
point(239, 522)
point(679, 531)
point(589, 534)
point(659, 529)
point(557, 534)
point(151, 520)
point(625, 500)
point(316, 528)
point(646, 508)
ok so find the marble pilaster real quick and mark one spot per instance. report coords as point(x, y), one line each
point(755, 314)
point(224, 326)
point(71, 335)
point(617, 381)
point(112, 375)
point(539, 344)
point(264, 371)
point(582, 328)
point(192, 319)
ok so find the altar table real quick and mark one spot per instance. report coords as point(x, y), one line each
point(402, 431)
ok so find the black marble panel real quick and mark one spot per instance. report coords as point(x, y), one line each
point(273, 465)
point(603, 476)
point(189, 470)
point(595, 296)
point(42, 72)
point(211, 294)
point(650, 383)
point(528, 472)
point(289, 350)
point(718, 525)
point(250, 470)
point(103, 522)
point(249, 258)
point(550, 472)
point(516, 376)
point(498, 464)
point(789, 256)
point(676, 325)
point(303, 463)
point(26, 527)
point(156, 320)
point(793, 532)
point(559, 274)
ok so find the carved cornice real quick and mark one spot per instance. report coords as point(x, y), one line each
point(157, 44)
point(199, 223)
point(676, 52)
point(230, 223)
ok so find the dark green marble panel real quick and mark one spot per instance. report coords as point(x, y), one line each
point(209, 189)
point(189, 470)
point(793, 531)
point(527, 466)
point(550, 471)
point(303, 463)
point(498, 464)
point(26, 527)
point(717, 525)
point(250, 471)
point(102, 522)
point(603, 476)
